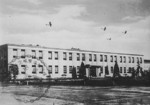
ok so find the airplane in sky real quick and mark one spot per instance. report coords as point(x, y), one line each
point(50, 24)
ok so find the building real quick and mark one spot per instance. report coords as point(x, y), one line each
point(146, 65)
point(42, 62)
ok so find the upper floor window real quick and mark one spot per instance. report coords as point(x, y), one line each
point(40, 54)
point(49, 55)
point(78, 57)
point(105, 58)
point(95, 58)
point(120, 59)
point(140, 60)
point(115, 58)
point(56, 55)
point(22, 53)
point(132, 59)
point(124, 59)
point(101, 58)
point(33, 54)
point(70, 56)
point(90, 57)
point(129, 59)
point(83, 57)
point(137, 60)
point(15, 53)
point(111, 58)
point(64, 55)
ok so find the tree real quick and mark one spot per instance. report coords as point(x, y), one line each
point(82, 71)
point(139, 69)
point(14, 70)
point(133, 72)
point(74, 74)
point(106, 70)
point(116, 70)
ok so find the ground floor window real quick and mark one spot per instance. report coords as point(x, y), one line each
point(56, 69)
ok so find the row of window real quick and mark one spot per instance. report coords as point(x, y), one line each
point(65, 69)
point(103, 58)
point(121, 70)
point(41, 69)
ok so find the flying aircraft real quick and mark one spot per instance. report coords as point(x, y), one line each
point(50, 24)
point(108, 38)
point(104, 28)
point(125, 32)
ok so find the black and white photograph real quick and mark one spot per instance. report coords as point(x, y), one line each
point(74, 52)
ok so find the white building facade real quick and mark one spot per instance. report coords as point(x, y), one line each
point(44, 62)
point(147, 65)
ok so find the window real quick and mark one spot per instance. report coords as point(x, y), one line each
point(50, 69)
point(90, 57)
point(65, 69)
point(22, 53)
point(101, 58)
point(78, 69)
point(120, 59)
point(115, 58)
point(70, 69)
point(137, 60)
point(23, 69)
point(49, 55)
point(132, 59)
point(111, 58)
point(56, 55)
point(83, 57)
point(40, 54)
point(129, 70)
point(101, 69)
point(56, 69)
point(70, 56)
point(15, 53)
point(34, 69)
point(124, 59)
point(140, 60)
point(64, 56)
point(129, 59)
point(95, 59)
point(33, 54)
point(105, 58)
point(112, 69)
point(124, 69)
point(40, 69)
point(78, 57)
point(120, 69)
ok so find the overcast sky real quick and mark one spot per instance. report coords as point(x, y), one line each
point(78, 23)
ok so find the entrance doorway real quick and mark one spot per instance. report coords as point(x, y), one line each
point(93, 71)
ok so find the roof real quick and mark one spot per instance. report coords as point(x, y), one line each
point(72, 49)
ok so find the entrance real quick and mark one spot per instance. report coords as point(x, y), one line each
point(93, 71)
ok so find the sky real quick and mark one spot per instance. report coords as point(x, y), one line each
point(78, 24)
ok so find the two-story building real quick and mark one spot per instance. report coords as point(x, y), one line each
point(42, 62)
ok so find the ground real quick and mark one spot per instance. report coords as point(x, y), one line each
point(73, 95)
